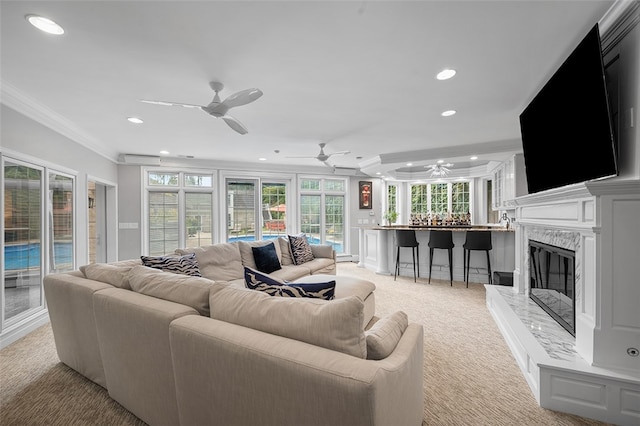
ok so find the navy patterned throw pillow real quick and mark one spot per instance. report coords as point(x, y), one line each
point(186, 265)
point(300, 249)
point(255, 280)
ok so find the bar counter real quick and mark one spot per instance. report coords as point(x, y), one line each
point(454, 228)
point(377, 252)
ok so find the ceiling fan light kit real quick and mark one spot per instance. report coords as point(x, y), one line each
point(439, 170)
point(219, 109)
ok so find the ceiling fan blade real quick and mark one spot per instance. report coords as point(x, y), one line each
point(170, 103)
point(242, 97)
point(339, 153)
point(235, 124)
point(301, 156)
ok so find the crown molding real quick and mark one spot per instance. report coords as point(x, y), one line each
point(14, 99)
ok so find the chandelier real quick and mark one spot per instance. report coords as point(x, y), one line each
point(439, 170)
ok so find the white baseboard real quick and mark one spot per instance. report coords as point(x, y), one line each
point(22, 328)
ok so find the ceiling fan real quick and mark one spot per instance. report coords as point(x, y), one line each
point(219, 109)
point(439, 170)
point(322, 156)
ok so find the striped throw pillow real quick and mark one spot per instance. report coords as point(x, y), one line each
point(186, 265)
point(256, 280)
point(300, 249)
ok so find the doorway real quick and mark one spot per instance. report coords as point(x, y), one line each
point(101, 221)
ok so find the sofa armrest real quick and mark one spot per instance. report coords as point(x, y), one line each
point(233, 375)
point(323, 250)
point(69, 299)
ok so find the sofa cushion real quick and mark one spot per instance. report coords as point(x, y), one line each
point(384, 335)
point(179, 288)
point(300, 249)
point(246, 251)
point(291, 272)
point(219, 262)
point(108, 273)
point(255, 280)
point(285, 251)
point(186, 264)
point(321, 265)
point(266, 258)
point(333, 324)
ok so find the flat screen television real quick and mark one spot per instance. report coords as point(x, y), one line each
point(567, 132)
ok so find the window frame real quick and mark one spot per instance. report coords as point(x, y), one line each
point(181, 189)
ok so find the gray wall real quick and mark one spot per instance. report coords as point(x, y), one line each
point(129, 211)
point(26, 139)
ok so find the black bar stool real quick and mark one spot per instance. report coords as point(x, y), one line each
point(441, 240)
point(407, 238)
point(476, 240)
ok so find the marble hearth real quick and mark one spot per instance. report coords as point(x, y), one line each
point(597, 373)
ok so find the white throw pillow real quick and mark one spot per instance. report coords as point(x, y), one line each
point(333, 324)
point(384, 335)
point(179, 288)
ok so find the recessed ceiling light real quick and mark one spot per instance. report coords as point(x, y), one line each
point(45, 24)
point(440, 161)
point(164, 152)
point(378, 173)
point(262, 159)
point(448, 113)
point(409, 164)
point(475, 157)
point(135, 120)
point(446, 74)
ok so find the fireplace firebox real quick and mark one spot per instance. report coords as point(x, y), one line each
point(552, 282)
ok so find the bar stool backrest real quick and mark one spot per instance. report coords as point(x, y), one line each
point(478, 240)
point(441, 239)
point(406, 238)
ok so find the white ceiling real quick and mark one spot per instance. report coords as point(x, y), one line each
point(358, 75)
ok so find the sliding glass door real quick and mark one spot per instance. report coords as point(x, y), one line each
point(322, 211)
point(23, 239)
point(256, 209)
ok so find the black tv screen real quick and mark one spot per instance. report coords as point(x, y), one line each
point(567, 133)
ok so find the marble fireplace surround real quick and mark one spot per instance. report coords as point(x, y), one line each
point(585, 375)
point(557, 238)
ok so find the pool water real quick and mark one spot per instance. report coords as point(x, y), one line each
point(25, 256)
point(312, 240)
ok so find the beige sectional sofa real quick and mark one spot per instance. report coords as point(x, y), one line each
point(183, 350)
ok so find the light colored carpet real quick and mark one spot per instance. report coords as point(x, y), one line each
point(470, 376)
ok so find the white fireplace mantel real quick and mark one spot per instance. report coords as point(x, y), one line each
point(600, 221)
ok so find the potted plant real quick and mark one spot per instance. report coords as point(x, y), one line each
point(391, 216)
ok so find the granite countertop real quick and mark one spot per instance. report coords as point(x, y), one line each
point(455, 228)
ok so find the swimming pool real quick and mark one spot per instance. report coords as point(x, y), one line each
point(312, 240)
point(25, 256)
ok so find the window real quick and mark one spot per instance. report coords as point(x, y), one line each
point(61, 222)
point(274, 209)
point(179, 211)
point(198, 218)
point(419, 199)
point(460, 198)
point(439, 199)
point(256, 209)
point(322, 211)
point(392, 198)
point(164, 234)
point(38, 238)
point(163, 179)
point(23, 238)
